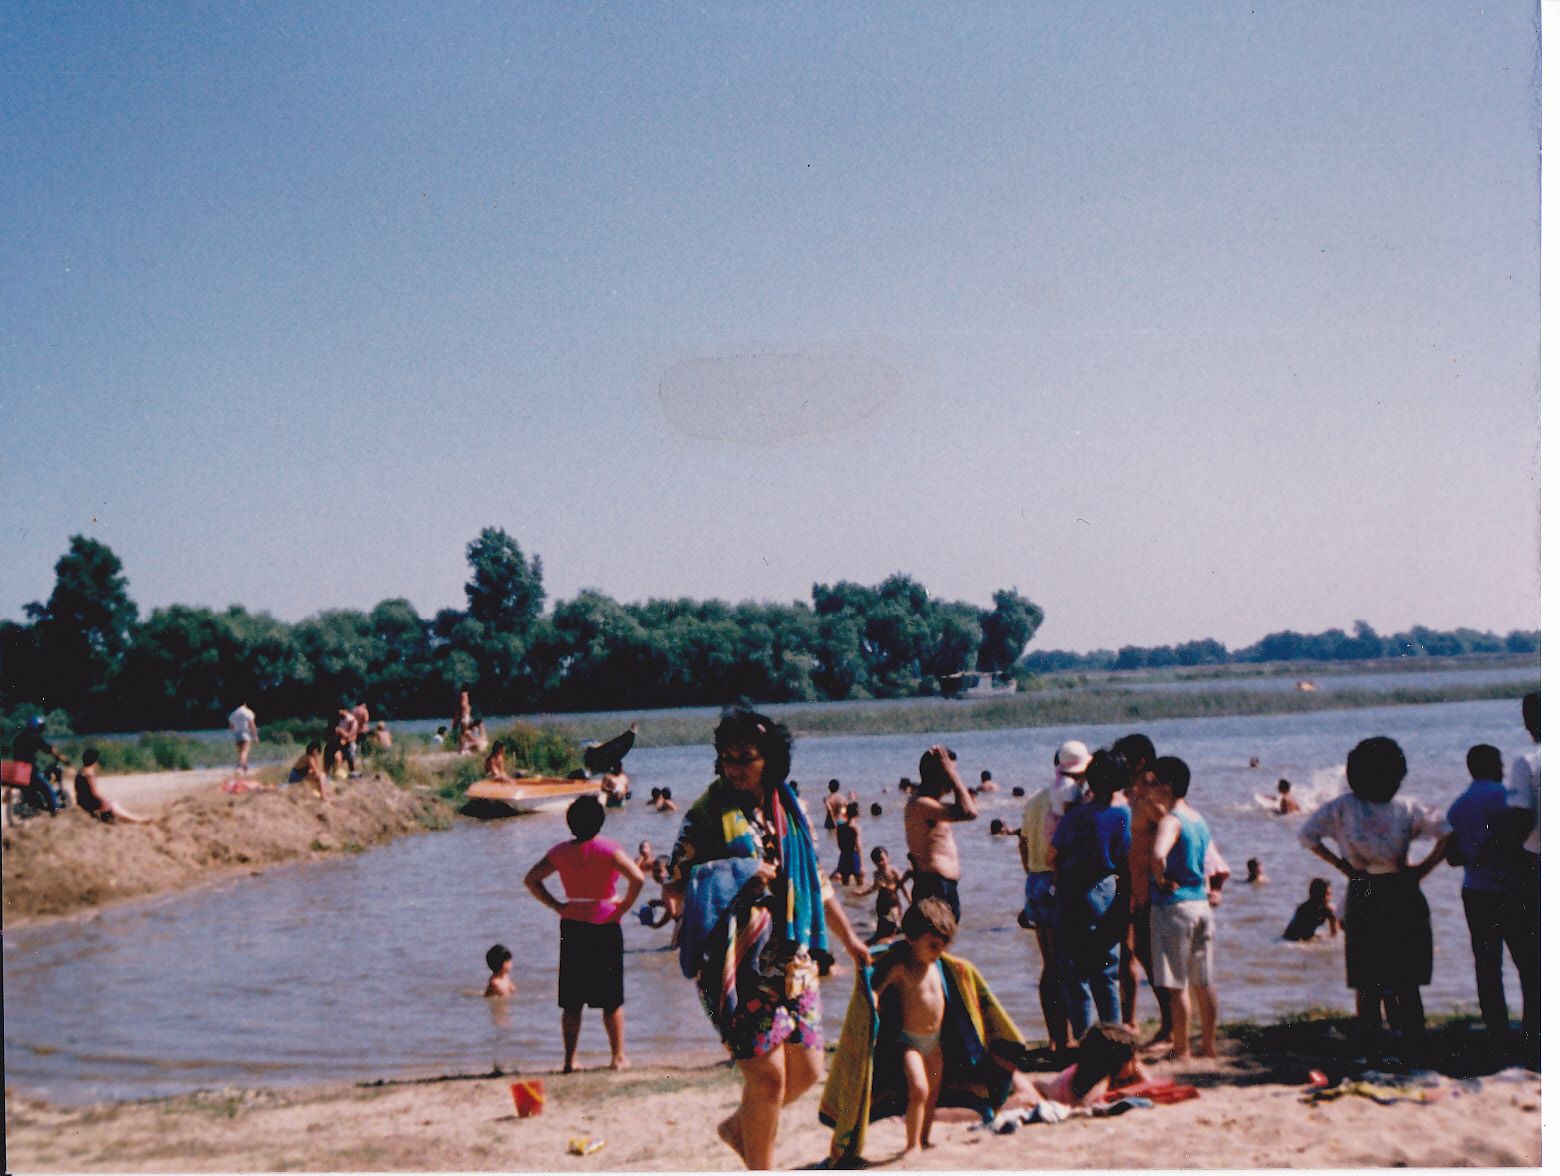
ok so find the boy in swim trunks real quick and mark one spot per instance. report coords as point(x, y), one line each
point(910, 1009)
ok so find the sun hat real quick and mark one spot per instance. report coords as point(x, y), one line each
point(1073, 756)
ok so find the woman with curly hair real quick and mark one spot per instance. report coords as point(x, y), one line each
point(756, 907)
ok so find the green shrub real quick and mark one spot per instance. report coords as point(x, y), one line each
point(531, 749)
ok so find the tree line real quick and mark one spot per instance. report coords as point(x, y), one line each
point(1364, 644)
point(87, 650)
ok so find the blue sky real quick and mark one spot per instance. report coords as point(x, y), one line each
point(1186, 321)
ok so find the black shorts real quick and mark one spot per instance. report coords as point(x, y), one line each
point(927, 885)
point(1386, 933)
point(590, 965)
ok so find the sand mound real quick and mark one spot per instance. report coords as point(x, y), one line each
point(55, 866)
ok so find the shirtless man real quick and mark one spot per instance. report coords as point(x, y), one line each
point(833, 805)
point(934, 856)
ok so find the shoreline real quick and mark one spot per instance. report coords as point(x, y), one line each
point(1251, 1111)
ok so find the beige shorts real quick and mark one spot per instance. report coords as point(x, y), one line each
point(1182, 951)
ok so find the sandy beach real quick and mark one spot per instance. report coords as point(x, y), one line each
point(661, 1120)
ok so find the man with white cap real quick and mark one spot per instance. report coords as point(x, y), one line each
point(1042, 814)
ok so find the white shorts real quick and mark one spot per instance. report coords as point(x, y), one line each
point(1181, 950)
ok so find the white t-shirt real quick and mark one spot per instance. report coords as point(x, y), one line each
point(1373, 837)
point(242, 722)
point(1522, 791)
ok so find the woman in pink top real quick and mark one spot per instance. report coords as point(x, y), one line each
point(590, 936)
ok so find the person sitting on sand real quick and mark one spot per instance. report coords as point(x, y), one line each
point(496, 766)
point(1313, 914)
point(1255, 874)
point(1285, 803)
point(500, 962)
point(90, 800)
point(309, 768)
point(382, 736)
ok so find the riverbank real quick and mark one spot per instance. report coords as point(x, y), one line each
point(56, 866)
point(1252, 1112)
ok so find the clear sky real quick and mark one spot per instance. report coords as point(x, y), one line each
point(1185, 320)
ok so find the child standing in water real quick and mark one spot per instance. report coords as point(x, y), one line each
point(887, 882)
point(911, 1002)
point(847, 834)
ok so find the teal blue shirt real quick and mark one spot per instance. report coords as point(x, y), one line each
point(1186, 863)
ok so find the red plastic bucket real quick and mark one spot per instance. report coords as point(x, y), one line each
point(529, 1097)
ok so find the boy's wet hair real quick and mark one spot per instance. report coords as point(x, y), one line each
point(1136, 749)
point(1018, 790)
point(497, 956)
point(771, 739)
point(1172, 772)
point(877, 809)
point(985, 775)
point(1318, 888)
point(1284, 785)
point(89, 757)
point(876, 850)
point(929, 915)
point(1105, 1048)
point(1375, 769)
point(834, 785)
point(1107, 773)
point(313, 746)
point(996, 825)
point(1484, 762)
point(585, 817)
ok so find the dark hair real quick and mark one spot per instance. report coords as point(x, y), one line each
point(853, 809)
point(1284, 785)
point(834, 785)
point(313, 745)
point(932, 773)
point(1531, 712)
point(1484, 762)
point(89, 757)
point(1018, 790)
point(1137, 749)
point(497, 956)
point(905, 785)
point(1375, 769)
point(1107, 773)
point(928, 915)
point(1105, 1048)
point(666, 793)
point(772, 739)
point(1172, 772)
point(1253, 864)
point(877, 809)
point(655, 794)
point(985, 775)
point(1318, 887)
point(585, 817)
point(996, 826)
point(876, 849)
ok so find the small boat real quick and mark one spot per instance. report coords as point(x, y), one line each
point(523, 794)
point(1306, 686)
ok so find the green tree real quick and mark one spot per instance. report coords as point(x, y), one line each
point(1006, 629)
point(83, 630)
point(505, 590)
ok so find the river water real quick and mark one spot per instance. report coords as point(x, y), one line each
point(371, 967)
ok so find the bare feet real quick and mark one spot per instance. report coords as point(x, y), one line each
point(1207, 1051)
point(620, 1063)
point(730, 1132)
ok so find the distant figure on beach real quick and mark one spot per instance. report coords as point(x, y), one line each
point(1181, 923)
point(309, 768)
point(500, 962)
point(929, 821)
point(90, 800)
point(1043, 812)
point(462, 718)
point(645, 857)
point(1521, 821)
point(1255, 874)
point(496, 765)
point(834, 803)
point(1492, 894)
point(245, 733)
point(590, 930)
point(25, 749)
point(474, 739)
point(1138, 751)
point(1386, 925)
point(1313, 914)
point(1285, 803)
point(438, 737)
point(987, 784)
point(382, 737)
point(748, 869)
point(1255, 762)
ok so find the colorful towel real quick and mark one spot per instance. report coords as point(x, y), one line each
point(866, 1079)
